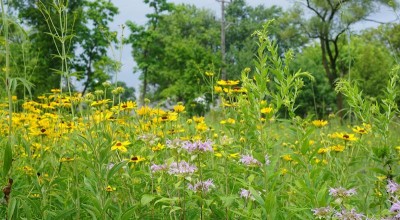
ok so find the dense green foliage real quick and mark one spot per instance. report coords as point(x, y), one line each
point(179, 43)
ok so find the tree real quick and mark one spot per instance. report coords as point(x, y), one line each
point(183, 46)
point(42, 44)
point(317, 97)
point(94, 37)
point(89, 33)
point(145, 49)
point(366, 60)
point(243, 20)
point(370, 64)
point(332, 18)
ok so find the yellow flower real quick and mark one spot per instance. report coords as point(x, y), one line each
point(201, 127)
point(228, 82)
point(198, 119)
point(179, 108)
point(28, 170)
point(129, 105)
point(66, 159)
point(287, 157)
point(382, 178)
point(110, 189)
point(136, 159)
point(230, 121)
point(144, 110)
point(218, 89)
point(283, 171)
point(337, 148)
point(362, 130)
point(233, 156)
point(344, 136)
point(55, 90)
point(35, 195)
point(266, 110)
point(121, 146)
point(217, 154)
point(238, 89)
point(209, 73)
point(319, 123)
point(318, 161)
point(323, 150)
point(100, 102)
point(158, 147)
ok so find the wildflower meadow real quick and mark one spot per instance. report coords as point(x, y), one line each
point(65, 155)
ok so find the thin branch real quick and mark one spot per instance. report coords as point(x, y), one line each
point(314, 10)
point(379, 22)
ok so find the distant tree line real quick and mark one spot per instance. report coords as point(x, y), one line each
point(180, 43)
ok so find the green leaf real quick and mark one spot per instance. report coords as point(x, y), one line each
point(7, 159)
point(11, 208)
point(114, 169)
point(257, 196)
point(146, 199)
point(228, 200)
point(128, 214)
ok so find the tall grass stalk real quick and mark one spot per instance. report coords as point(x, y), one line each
point(60, 35)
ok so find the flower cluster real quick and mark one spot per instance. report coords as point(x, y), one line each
point(197, 146)
point(341, 192)
point(248, 160)
point(322, 212)
point(175, 168)
point(347, 215)
point(392, 187)
point(202, 186)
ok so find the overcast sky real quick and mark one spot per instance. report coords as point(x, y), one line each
point(136, 10)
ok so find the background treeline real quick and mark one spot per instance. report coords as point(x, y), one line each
point(179, 43)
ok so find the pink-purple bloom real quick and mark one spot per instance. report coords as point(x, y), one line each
point(349, 215)
point(182, 167)
point(341, 192)
point(322, 212)
point(158, 168)
point(246, 194)
point(392, 187)
point(197, 146)
point(395, 207)
point(249, 160)
point(202, 186)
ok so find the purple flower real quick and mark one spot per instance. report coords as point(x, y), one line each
point(392, 187)
point(197, 146)
point(322, 212)
point(341, 192)
point(349, 215)
point(158, 168)
point(181, 168)
point(202, 186)
point(249, 160)
point(395, 207)
point(246, 194)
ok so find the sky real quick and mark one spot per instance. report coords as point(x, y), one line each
point(136, 10)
